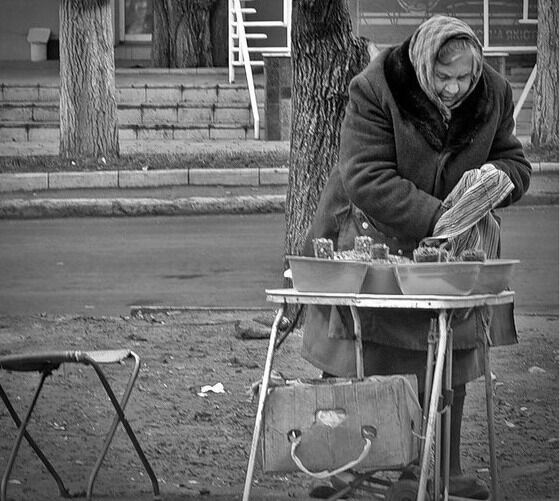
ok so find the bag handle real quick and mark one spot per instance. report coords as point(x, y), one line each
point(295, 436)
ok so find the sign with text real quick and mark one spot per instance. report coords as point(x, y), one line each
point(504, 25)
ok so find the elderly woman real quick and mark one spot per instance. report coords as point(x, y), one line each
point(419, 116)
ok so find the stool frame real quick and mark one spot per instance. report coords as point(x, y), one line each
point(46, 363)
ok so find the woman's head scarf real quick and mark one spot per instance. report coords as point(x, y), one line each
point(423, 50)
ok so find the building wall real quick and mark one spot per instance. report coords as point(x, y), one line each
point(267, 10)
point(16, 19)
point(17, 16)
point(20, 15)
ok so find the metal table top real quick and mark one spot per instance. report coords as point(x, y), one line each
point(419, 302)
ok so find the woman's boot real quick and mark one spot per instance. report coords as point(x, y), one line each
point(467, 486)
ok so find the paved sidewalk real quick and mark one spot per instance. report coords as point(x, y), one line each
point(177, 191)
point(48, 73)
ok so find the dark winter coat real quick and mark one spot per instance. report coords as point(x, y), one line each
point(398, 161)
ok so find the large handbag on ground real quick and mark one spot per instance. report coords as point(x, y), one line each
point(325, 426)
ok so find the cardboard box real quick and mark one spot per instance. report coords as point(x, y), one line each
point(330, 415)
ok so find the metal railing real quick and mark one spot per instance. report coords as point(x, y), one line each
point(239, 50)
point(244, 56)
point(523, 97)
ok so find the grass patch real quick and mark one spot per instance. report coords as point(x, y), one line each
point(139, 161)
point(541, 153)
point(200, 160)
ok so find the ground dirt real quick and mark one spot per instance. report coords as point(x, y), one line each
point(199, 445)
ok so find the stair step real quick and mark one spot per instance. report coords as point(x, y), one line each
point(138, 93)
point(195, 94)
point(32, 132)
point(261, 24)
point(252, 63)
point(49, 131)
point(188, 114)
point(277, 50)
point(28, 112)
point(138, 114)
point(253, 36)
point(516, 92)
point(22, 92)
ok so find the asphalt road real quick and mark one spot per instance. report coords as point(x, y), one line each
point(103, 266)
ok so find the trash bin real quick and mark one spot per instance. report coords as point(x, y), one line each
point(38, 38)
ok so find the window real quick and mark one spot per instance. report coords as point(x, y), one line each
point(136, 20)
point(506, 25)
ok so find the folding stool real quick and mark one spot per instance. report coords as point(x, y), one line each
point(47, 362)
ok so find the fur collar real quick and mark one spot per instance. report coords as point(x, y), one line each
point(415, 106)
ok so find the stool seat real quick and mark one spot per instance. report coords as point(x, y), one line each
point(47, 362)
point(51, 360)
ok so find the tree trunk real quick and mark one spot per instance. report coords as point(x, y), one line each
point(544, 129)
point(219, 33)
point(325, 56)
point(88, 106)
point(181, 35)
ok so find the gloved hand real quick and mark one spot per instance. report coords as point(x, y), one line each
point(487, 167)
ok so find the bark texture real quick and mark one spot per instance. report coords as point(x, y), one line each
point(219, 33)
point(181, 36)
point(325, 56)
point(544, 129)
point(88, 106)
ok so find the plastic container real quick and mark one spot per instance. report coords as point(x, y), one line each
point(495, 276)
point(381, 279)
point(311, 274)
point(438, 279)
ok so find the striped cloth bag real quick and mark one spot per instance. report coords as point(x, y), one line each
point(468, 222)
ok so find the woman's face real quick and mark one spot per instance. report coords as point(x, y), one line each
point(453, 77)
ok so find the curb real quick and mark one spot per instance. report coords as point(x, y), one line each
point(135, 207)
point(545, 193)
point(126, 179)
point(132, 207)
point(545, 167)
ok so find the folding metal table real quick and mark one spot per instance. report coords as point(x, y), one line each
point(439, 379)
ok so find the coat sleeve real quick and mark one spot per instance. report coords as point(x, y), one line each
point(507, 154)
point(369, 172)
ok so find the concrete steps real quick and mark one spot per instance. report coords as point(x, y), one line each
point(523, 125)
point(41, 132)
point(140, 93)
point(143, 113)
point(156, 111)
point(147, 112)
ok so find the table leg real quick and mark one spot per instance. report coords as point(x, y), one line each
point(447, 415)
point(358, 342)
point(432, 340)
point(262, 397)
point(496, 495)
point(437, 460)
point(434, 401)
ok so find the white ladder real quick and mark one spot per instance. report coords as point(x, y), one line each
point(239, 50)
